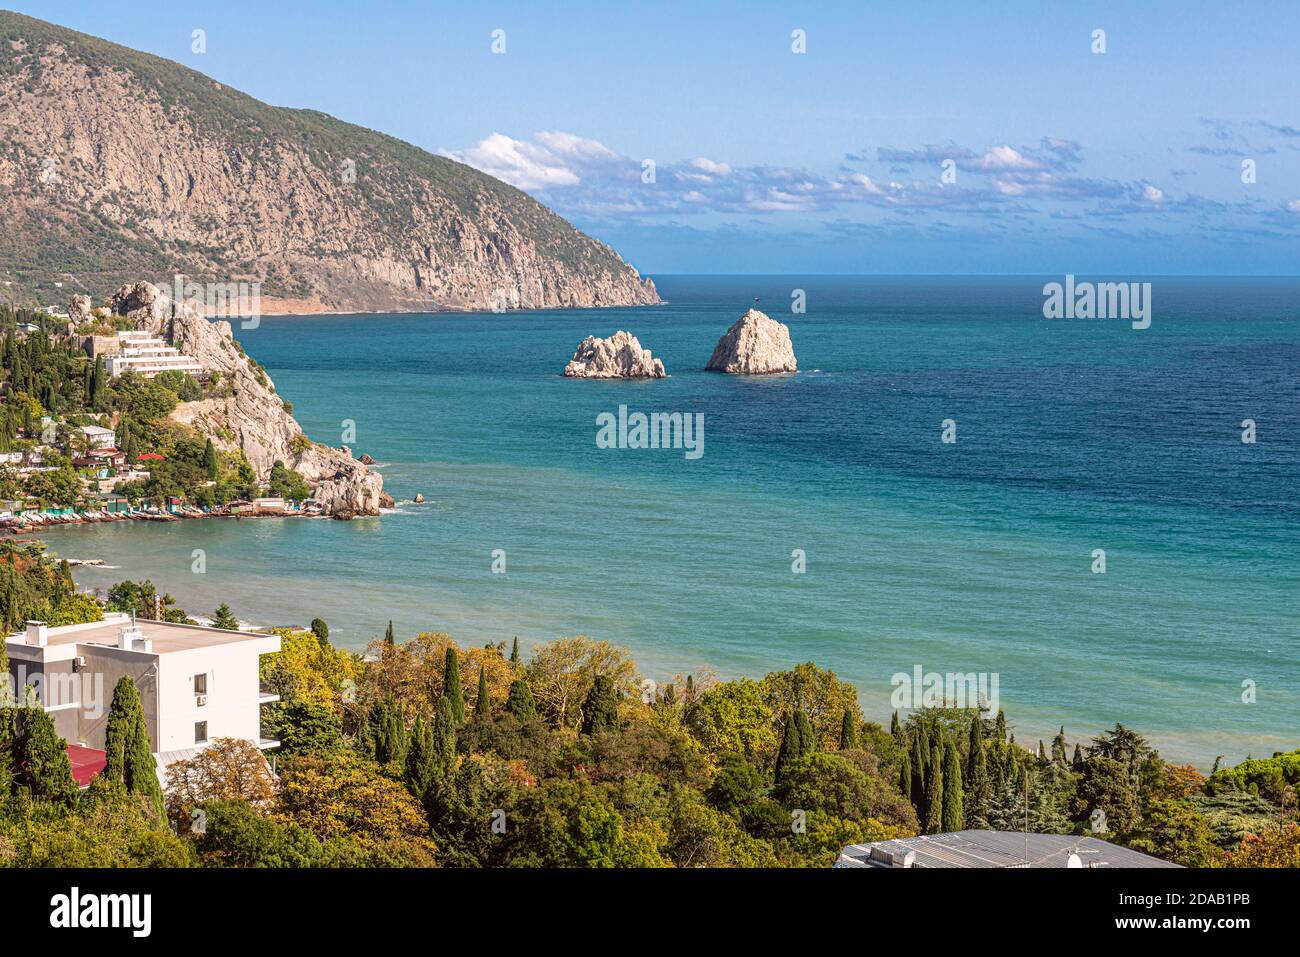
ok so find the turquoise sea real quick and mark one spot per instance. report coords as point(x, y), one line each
point(1072, 435)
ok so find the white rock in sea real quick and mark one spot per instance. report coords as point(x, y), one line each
point(755, 344)
point(618, 357)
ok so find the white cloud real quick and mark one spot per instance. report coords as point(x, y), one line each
point(1004, 159)
point(709, 166)
point(1293, 206)
point(569, 144)
point(521, 164)
point(1152, 195)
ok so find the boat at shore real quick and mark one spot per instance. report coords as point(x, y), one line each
point(30, 519)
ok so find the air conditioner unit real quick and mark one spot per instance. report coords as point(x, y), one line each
point(201, 700)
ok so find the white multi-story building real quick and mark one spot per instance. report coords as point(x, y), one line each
point(145, 353)
point(98, 437)
point(195, 683)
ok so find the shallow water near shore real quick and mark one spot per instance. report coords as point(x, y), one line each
point(974, 557)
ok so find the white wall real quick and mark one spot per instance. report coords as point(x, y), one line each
point(232, 709)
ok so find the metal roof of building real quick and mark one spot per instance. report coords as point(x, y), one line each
point(995, 849)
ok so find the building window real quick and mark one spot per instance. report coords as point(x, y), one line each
point(200, 684)
point(200, 732)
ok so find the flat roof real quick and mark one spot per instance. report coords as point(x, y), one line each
point(166, 636)
point(978, 848)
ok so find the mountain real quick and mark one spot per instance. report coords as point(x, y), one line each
point(116, 164)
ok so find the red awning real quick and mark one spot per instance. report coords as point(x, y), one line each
point(86, 763)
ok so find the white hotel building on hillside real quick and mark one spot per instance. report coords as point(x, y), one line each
point(148, 355)
point(195, 683)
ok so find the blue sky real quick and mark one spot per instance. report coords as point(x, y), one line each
point(831, 160)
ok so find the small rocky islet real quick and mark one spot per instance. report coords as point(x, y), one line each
point(755, 344)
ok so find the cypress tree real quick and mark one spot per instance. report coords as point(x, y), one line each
point(128, 751)
point(519, 701)
point(444, 736)
point(918, 763)
point(974, 746)
point(1077, 764)
point(1042, 752)
point(953, 813)
point(600, 710)
point(905, 775)
point(210, 465)
point(44, 757)
point(978, 787)
point(807, 736)
point(995, 769)
point(1011, 771)
point(934, 791)
point(514, 651)
point(388, 634)
point(1000, 727)
point(1058, 748)
point(790, 748)
point(482, 701)
point(384, 735)
point(895, 728)
point(320, 629)
point(451, 685)
point(848, 732)
point(421, 760)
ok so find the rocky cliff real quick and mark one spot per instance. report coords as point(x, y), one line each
point(253, 418)
point(118, 164)
point(618, 357)
point(756, 344)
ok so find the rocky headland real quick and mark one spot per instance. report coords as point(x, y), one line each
point(252, 419)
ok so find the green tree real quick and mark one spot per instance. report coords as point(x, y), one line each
point(514, 651)
point(211, 466)
point(953, 813)
point(520, 702)
point(934, 791)
point(978, 789)
point(388, 634)
point(384, 736)
point(1058, 748)
point(422, 763)
point(1107, 786)
point(794, 744)
point(600, 710)
point(732, 717)
point(444, 735)
point(307, 727)
point(451, 689)
point(1176, 831)
point(224, 618)
point(849, 732)
point(482, 699)
point(43, 756)
point(919, 764)
point(320, 629)
point(127, 749)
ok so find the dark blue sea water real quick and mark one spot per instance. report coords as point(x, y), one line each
point(1072, 435)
